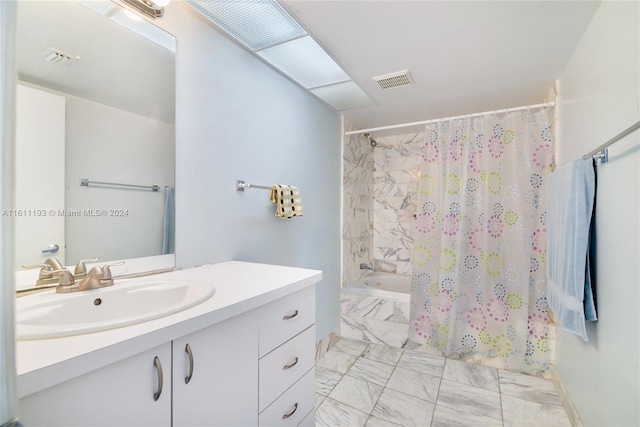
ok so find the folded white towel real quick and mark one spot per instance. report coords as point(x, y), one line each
point(287, 200)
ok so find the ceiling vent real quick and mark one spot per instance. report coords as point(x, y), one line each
point(393, 80)
point(56, 56)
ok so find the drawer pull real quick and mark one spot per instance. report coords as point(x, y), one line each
point(295, 408)
point(291, 316)
point(156, 363)
point(187, 349)
point(295, 362)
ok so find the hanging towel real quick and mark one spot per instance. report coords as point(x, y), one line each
point(571, 194)
point(287, 200)
point(169, 221)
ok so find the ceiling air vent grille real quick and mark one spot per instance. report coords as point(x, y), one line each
point(393, 80)
point(57, 56)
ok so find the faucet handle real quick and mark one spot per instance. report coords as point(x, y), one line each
point(107, 270)
point(81, 267)
point(45, 270)
point(45, 266)
point(49, 265)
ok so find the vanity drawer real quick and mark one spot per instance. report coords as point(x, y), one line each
point(297, 353)
point(309, 420)
point(294, 405)
point(285, 318)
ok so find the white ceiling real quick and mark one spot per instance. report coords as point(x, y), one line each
point(465, 56)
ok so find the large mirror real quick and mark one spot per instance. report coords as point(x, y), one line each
point(95, 102)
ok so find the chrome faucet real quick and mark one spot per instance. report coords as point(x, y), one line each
point(97, 277)
point(53, 274)
point(51, 271)
point(46, 276)
point(81, 268)
point(365, 266)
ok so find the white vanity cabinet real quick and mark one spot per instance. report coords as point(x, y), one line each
point(243, 358)
point(287, 359)
point(221, 364)
point(214, 375)
point(120, 394)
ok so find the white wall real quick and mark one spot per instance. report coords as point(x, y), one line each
point(112, 145)
point(237, 118)
point(599, 97)
point(39, 176)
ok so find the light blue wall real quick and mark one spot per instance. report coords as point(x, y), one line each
point(237, 118)
point(599, 97)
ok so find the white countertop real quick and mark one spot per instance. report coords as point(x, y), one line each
point(240, 287)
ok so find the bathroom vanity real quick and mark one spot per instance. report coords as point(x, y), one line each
point(245, 356)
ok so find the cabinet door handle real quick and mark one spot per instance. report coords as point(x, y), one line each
point(187, 349)
point(156, 363)
point(295, 408)
point(291, 316)
point(295, 362)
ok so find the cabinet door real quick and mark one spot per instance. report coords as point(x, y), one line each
point(120, 394)
point(221, 363)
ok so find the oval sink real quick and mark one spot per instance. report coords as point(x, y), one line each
point(51, 315)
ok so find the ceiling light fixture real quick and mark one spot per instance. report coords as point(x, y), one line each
point(305, 62)
point(257, 24)
point(266, 28)
point(121, 15)
point(151, 9)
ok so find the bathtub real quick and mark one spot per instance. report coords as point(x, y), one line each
point(375, 308)
point(385, 285)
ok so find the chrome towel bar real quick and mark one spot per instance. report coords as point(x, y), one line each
point(241, 185)
point(601, 153)
point(86, 183)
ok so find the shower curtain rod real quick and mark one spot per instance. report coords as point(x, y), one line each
point(426, 122)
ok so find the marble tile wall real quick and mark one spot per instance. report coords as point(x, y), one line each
point(380, 188)
point(357, 205)
point(395, 188)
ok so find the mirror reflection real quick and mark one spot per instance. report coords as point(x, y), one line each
point(96, 102)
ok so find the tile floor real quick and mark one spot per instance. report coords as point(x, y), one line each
point(363, 384)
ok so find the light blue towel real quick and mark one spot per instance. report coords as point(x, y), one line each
point(169, 221)
point(571, 193)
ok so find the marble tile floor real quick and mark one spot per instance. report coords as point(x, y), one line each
point(365, 384)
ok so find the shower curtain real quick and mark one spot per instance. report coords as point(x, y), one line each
point(478, 289)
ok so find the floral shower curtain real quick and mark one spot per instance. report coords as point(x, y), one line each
point(478, 289)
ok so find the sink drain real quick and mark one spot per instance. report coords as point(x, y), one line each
point(97, 301)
